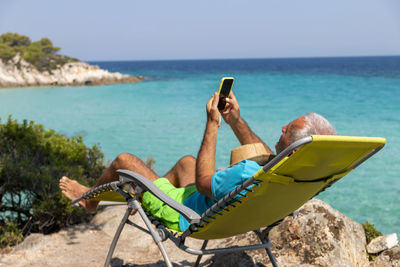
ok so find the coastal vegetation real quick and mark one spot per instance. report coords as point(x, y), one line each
point(32, 160)
point(41, 54)
point(370, 231)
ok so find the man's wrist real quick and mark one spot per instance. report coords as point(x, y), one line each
point(237, 123)
point(212, 123)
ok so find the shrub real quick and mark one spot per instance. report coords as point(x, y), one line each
point(10, 235)
point(370, 231)
point(6, 52)
point(32, 160)
point(14, 39)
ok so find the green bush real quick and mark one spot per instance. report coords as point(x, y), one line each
point(6, 52)
point(370, 231)
point(10, 235)
point(41, 54)
point(32, 160)
point(15, 39)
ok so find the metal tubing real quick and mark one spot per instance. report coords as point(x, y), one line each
point(137, 226)
point(286, 152)
point(199, 257)
point(116, 237)
point(265, 240)
point(220, 250)
point(156, 237)
point(271, 257)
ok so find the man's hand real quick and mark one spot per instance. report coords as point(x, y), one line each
point(231, 113)
point(213, 114)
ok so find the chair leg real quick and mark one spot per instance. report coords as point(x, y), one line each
point(265, 240)
point(271, 257)
point(199, 257)
point(156, 236)
point(116, 237)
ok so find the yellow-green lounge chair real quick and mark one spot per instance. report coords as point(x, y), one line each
point(277, 190)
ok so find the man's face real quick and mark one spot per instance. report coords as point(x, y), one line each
point(287, 132)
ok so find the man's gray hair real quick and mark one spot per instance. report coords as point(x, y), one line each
point(314, 124)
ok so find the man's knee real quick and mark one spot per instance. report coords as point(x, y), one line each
point(123, 159)
point(187, 161)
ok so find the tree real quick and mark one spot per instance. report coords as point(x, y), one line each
point(6, 52)
point(32, 160)
point(15, 39)
point(41, 54)
point(46, 46)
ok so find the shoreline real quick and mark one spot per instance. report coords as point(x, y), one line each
point(132, 79)
point(20, 73)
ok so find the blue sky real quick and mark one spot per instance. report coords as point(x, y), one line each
point(148, 30)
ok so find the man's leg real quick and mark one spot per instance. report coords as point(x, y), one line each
point(72, 189)
point(183, 173)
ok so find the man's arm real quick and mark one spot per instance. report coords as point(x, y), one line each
point(205, 164)
point(244, 134)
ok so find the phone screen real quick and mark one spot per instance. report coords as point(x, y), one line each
point(226, 87)
point(225, 90)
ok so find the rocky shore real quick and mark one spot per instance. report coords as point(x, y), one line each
point(317, 235)
point(19, 73)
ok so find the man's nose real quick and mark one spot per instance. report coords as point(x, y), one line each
point(284, 128)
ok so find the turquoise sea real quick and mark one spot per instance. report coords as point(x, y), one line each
point(164, 116)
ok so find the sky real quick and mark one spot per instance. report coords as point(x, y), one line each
point(152, 30)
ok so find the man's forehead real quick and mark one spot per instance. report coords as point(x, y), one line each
point(298, 123)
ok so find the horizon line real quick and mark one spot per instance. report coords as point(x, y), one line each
point(239, 58)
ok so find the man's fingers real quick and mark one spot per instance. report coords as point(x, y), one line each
point(227, 108)
point(209, 103)
point(232, 100)
point(215, 100)
point(232, 95)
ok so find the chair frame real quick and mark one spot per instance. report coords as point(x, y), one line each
point(161, 233)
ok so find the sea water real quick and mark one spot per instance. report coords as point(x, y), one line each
point(164, 116)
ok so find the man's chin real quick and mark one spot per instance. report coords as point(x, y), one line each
point(277, 148)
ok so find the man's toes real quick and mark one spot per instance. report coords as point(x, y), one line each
point(65, 179)
point(63, 185)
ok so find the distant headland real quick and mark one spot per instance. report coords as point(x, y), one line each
point(26, 63)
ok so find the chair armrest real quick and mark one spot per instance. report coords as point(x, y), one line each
point(126, 176)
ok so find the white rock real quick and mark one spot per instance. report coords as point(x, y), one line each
point(388, 258)
point(74, 73)
point(382, 243)
point(317, 235)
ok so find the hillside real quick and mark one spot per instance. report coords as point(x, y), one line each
point(27, 63)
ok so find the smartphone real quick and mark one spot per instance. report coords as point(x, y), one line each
point(224, 91)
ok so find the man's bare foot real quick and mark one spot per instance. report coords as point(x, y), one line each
point(72, 190)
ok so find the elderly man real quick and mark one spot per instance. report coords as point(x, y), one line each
point(194, 182)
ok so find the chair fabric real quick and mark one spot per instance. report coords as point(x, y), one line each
point(289, 184)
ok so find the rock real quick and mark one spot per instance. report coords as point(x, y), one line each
point(73, 73)
point(316, 236)
point(33, 242)
point(86, 245)
point(388, 258)
point(382, 243)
